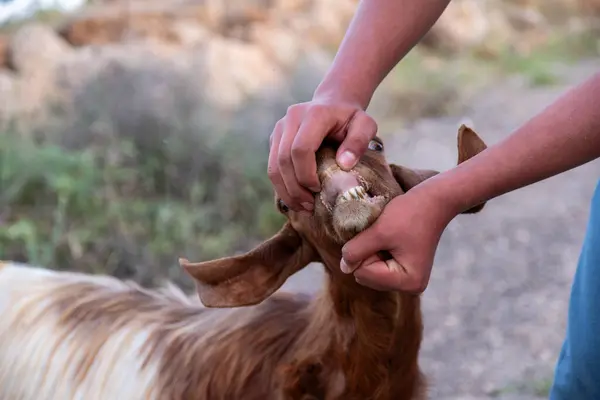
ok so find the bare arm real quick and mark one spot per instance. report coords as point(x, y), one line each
point(381, 33)
point(379, 36)
point(563, 136)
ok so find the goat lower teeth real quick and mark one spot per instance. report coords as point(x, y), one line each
point(356, 193)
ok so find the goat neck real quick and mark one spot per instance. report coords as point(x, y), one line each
point(377, 334)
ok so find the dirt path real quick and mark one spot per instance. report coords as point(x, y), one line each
point(495, 309)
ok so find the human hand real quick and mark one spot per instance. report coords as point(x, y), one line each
point(297, 136)
point(409, 229)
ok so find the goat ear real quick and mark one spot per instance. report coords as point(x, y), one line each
point(408, 178)
point(469, 145)
point(252, 277)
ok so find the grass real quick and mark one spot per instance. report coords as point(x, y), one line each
point(538, 65)
point(542, 387)
point(539, 388)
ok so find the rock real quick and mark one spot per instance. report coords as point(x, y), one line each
point(34, 53)
point(113, 25)
point(190, 34)
point(233, 70)
point(35, 49)
point(488, 26)
point(143, 20)
point(324, 21)
point(281, 45)
point(240, 48)
point(329, 20)
point(464, 24)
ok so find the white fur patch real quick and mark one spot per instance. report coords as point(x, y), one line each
point(39, 357)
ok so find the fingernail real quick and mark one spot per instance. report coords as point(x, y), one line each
point(345, 267)
point(315, 189)
point(308, 206)
point(347, 159)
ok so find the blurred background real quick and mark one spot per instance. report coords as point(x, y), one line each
point(133, 132)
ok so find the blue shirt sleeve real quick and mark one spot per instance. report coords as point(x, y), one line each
point(577, 374)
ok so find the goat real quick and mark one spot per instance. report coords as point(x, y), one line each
point(67, 335)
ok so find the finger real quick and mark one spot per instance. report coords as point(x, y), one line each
point(391, 275)
point(301, 198)
point(348, 269)
point(273, 168)
point(365, 244)
point(360, 132)
point(376, 275)
point(313, 130)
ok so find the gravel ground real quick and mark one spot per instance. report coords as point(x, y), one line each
point(495, 309)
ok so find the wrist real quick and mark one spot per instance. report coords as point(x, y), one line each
point(335, 89)
point(444, 195)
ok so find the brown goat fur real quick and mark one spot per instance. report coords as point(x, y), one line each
point(351, 342)
point(65, 335)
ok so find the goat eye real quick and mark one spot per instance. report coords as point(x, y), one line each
point(282, 206)
point(375, 145)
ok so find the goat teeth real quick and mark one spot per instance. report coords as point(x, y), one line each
point(355, 193)
point(358, 190)
point(362, 193)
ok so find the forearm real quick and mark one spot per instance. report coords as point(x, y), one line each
point(381, 33)
point(563, 136)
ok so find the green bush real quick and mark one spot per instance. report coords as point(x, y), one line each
point(122, 184)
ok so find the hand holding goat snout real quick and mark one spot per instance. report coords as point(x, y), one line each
point(292, 167)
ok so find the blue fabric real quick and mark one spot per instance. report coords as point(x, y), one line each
point(577, 374)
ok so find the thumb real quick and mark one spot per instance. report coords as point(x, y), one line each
point(361, 247)
point(360, 132)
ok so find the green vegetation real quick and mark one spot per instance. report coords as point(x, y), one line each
point(542, 387)
point(122, 184)
point(538, 65)
point(538, 388)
